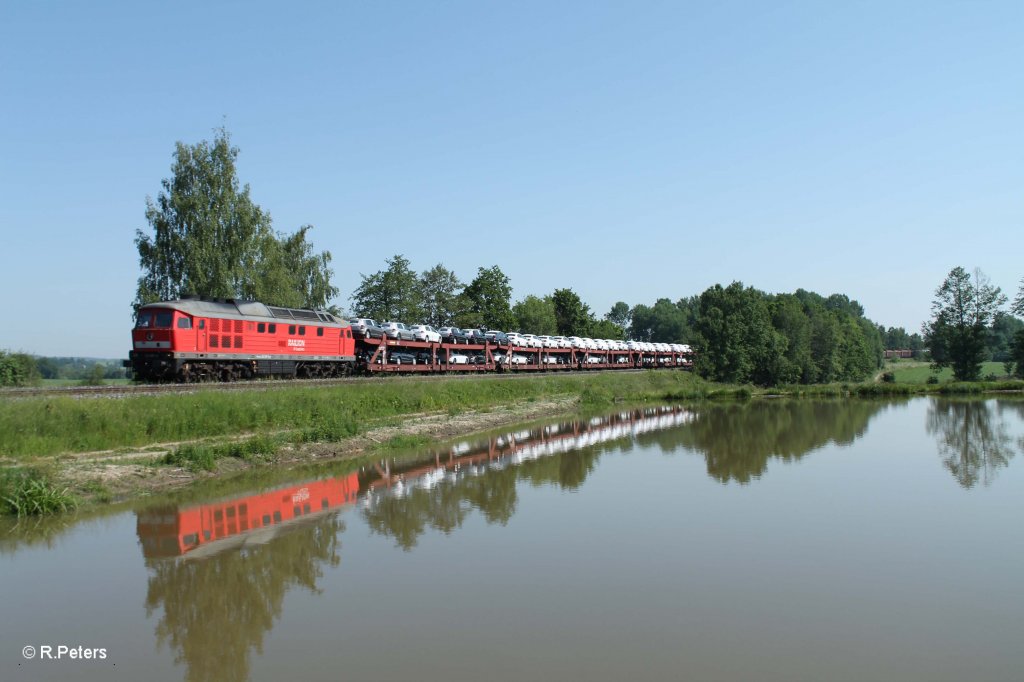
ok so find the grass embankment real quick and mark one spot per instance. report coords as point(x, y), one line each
point(46, 427)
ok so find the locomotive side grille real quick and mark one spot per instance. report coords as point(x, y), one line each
point(238, 342)
point(215, 325)
point(238, 328)
point(213, 340)
point(225, 341)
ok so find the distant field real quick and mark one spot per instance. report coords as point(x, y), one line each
point(914, 372)
point(78, 382)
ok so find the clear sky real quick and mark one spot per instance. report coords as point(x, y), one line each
point(629, 150)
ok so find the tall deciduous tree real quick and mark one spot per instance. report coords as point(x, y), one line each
point(392, 294)
point(572, 315)
point(535, 315)
point(962, 311)
point(210, 239)
point(487, 300)
point(440, 288)
point(619, 315)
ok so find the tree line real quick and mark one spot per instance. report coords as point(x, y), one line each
point(22, 369)
point(438, 297)
point(744, 335)
point(211, 239)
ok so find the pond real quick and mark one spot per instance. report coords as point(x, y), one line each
point(772, 540)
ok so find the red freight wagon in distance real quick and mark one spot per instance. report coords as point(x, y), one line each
point(206, 339)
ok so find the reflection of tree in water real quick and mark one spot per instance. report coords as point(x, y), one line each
point(216, 609)
point(446, 505)
point(973, 439)
point(568, 470)
point(738, 440)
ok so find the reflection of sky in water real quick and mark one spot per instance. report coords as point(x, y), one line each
point(771, 541)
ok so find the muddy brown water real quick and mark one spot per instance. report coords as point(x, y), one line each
point(775, 540)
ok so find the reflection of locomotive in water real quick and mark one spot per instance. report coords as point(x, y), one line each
point(200, 530)
point(203, 529)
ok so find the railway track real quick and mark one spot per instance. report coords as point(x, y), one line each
point(126, 390)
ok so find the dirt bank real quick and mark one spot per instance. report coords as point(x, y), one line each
point(105, 476)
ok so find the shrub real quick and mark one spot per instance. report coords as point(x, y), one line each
point(932, 380)
point(888, 378)
point(18, 369)
point(94, 377)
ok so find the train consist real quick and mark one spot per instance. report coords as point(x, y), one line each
point(197, 339)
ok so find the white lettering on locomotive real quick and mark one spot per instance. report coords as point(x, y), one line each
point(296, 343)
point(300, 496)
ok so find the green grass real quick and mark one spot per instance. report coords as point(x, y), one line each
point(204, 456)
point(30, 492)
point(918, 372)
point(48, 426)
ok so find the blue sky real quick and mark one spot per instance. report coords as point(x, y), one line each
point(630, 151)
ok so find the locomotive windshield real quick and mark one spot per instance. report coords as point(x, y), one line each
point(160, 319)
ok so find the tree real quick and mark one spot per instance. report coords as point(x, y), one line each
point(736, 338)
point(440, 288)
point(18, 369)
point(1018, 302)
point(606, 329)
point(572, 315)
point(1017, 354)
point(390, 294)
point(290, 274)
point(619, 315)
point(487, 300)
point(1000, 340)
point(534, 315)
point(962, 311)
point(641, 325)
point(210, 239)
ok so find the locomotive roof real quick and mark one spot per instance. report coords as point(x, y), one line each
point(246, 310)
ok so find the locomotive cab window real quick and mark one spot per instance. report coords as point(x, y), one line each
point(272, 328)
point(202, 324)
point(291, 329)
point(261, 327)
point(184, 323)
point(143, 321)
point(302, 331)
point(319, 331)
point(163, 319)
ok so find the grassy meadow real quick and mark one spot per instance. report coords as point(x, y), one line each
point(917, 372)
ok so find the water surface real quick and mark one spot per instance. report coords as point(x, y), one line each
point(776, 540)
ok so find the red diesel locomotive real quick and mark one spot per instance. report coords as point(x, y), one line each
point(202, 339)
